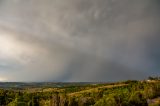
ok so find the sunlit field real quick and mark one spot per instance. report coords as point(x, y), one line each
point(126, 93)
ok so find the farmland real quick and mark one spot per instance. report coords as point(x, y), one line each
point(126, 93)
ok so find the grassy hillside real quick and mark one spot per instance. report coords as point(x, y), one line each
point(128, 93)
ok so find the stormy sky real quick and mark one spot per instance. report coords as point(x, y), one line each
point(79, 40)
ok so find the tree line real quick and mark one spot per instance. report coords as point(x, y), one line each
point(134, 93)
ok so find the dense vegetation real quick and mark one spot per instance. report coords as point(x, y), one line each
point(128, 93)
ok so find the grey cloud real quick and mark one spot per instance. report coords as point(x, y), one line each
point(79, 40)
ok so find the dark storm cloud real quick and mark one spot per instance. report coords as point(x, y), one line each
point(79, 40)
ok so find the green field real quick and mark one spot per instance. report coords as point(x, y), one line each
point(126, 93)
